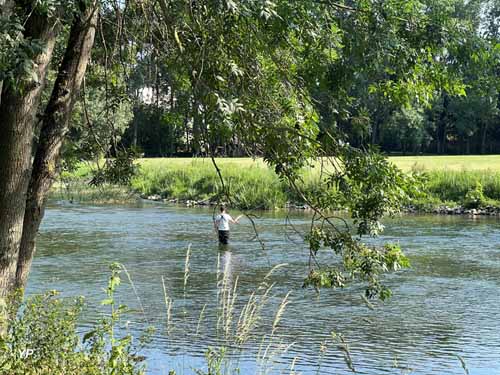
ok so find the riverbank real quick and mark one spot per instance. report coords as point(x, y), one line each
point(453, 185)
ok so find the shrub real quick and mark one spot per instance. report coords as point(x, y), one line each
point(475, 197)
point(42, 338)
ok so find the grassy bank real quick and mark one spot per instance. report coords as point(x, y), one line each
point(470, 181)
point(450, 180)
point(454, 185)
point(252, 184)
point(78, 190)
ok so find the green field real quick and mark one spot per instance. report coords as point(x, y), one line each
point(178, 162)
point(406, 163)
point(448, 163)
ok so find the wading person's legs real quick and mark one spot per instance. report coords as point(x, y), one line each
point(224, 237)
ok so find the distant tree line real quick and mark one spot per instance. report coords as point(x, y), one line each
point(452, 125)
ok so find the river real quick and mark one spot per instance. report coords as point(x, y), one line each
point(445, 307)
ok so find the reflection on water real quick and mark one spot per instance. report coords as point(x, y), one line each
point(445, 306)
point(226, 260)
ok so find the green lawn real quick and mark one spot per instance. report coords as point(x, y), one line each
point(180, 162)
point(406, 163)
point(450, 163)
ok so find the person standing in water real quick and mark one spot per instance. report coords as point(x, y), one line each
point(221, 225)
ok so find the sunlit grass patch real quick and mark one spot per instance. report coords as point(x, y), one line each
point(448, 163)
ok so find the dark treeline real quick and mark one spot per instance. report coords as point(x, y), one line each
point(458, 125)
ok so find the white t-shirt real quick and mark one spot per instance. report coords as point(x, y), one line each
point(222, 221)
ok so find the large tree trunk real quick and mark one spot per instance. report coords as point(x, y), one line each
point(18, 109)
point(54, 128)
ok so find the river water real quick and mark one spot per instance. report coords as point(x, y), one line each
point(445, 308)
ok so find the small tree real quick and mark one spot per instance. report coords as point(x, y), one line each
point(406, 131)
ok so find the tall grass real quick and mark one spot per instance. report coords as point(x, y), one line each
point(454, 185)
point(49, 324)
point(79, 190)
point(251, 186)
point(239, 322)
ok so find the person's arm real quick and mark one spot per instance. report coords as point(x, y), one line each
point(235, 221)
point(216, 224)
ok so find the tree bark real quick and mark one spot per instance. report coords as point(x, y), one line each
point(18, 109)
point(196, 139)
point(54, 129)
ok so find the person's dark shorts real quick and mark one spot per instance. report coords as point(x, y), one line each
point(224, 237)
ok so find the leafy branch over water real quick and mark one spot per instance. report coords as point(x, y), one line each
point(362, 181)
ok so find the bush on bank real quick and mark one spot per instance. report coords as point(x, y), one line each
point(454, 185)
point(41, 338)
